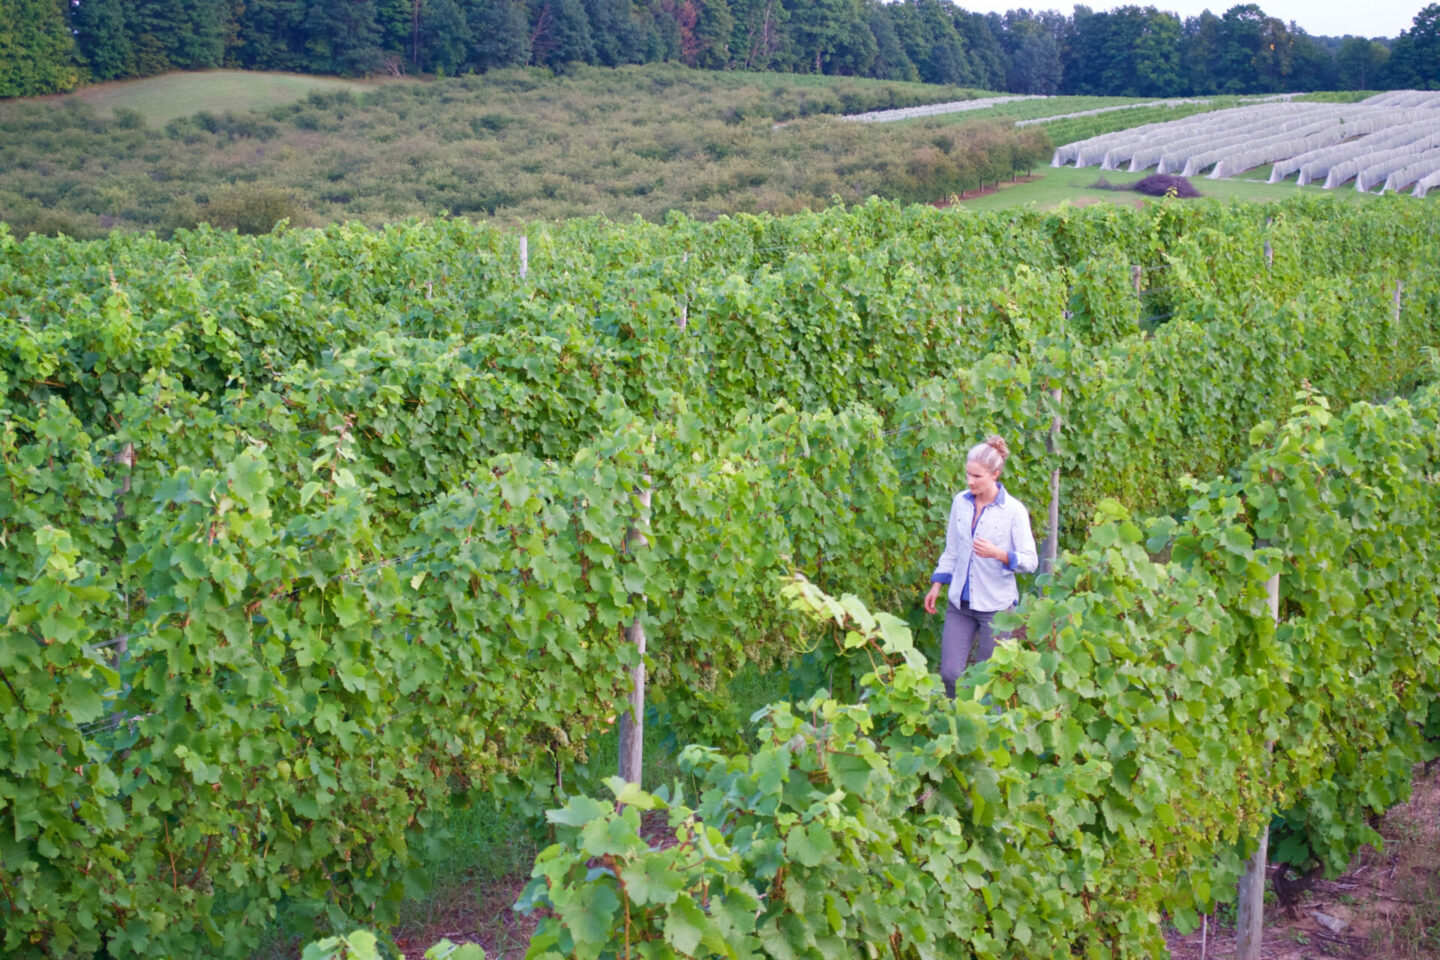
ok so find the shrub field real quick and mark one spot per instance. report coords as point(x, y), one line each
point(510, 145)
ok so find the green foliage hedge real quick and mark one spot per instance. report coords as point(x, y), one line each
point(303, 537)
point(1124, 770)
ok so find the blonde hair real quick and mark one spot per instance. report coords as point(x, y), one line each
point(991, 454)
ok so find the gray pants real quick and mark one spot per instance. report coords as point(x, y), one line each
point(964, 629)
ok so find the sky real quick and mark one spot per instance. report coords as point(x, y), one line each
point(1324, 18)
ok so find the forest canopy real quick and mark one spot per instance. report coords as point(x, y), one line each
point(49, 46)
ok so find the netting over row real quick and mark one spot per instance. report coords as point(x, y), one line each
point(1378, 168)
point(1231, 163)
point(1374, 166)
point(934, 109)
point(1369, 141)
point(1316, 163)
point(1112, 149)
point(1425, 183)
point(1406, 98)
point(1427, 164)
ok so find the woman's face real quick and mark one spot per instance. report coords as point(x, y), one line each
point(980, 480)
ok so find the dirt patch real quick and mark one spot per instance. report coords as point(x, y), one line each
point(1386, 906)
point(480, 914)
point(483, 913)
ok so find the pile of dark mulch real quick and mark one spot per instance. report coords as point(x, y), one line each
point(1155, 185)
point(1159, 184)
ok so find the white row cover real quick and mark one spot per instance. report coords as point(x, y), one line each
point(1427, 164)
point(1174, 156)
point(1406, 98)
point(1328, 130)
point(1316, 163)
point(1338, 170)
point(1374, 166)
point(1114, 149)
point(1379, 168)
point(933, 109)
point(1425, 183)
point(1386, 139)
point(1302, 141)
point(1178, 102)
point(1094, 148)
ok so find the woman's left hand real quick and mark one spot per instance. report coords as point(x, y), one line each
point(984, 548)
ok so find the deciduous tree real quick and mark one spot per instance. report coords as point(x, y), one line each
point(37, 51)
point(1415, 56)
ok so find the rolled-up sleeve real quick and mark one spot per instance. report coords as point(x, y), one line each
point(1023, 557)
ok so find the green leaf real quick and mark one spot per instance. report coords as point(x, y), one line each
point(81, 701)
point(249, 476)
point(771, 766)
point(850, 772)
point(686, 926)
point(579, 812)
point(588, 914)
point(810, 845)
point(445, 950)
point(652, 879)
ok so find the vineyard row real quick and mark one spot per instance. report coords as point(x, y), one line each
point(302, 534)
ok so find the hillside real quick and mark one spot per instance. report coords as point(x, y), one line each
point(511, 145)
point(522, 145)
point(181, 94)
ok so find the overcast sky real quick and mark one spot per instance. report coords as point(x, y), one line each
point(1329, 18)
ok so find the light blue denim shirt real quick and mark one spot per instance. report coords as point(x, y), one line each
point(986, 583)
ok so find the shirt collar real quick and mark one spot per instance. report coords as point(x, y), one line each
point(999, 500)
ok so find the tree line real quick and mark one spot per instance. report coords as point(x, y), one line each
point(56, 45)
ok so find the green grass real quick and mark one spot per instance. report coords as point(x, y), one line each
point(488, 843)
point(483, 847)
point(1055, 186)
point(1337, 96)
point(1021, 109)
point(181, 94)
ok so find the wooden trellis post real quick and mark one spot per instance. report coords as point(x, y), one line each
point(1052, 526)
point(632, 718)
point(524, 256)
point(685, 301)
point(1250, 911)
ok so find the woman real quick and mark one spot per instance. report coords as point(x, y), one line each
point(987, 540)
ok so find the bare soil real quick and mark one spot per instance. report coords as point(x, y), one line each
point(474, 914)
point(1386, 906)
point(484, 914)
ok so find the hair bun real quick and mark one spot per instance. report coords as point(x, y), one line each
point(999, 445)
